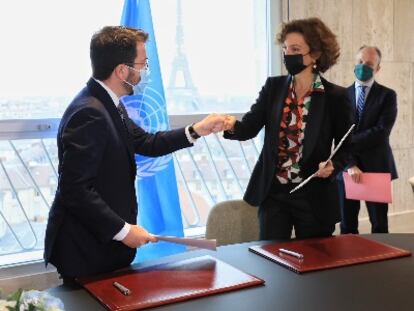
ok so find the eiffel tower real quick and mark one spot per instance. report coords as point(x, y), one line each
point(182, 94)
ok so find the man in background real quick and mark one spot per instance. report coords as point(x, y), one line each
point(375, 109)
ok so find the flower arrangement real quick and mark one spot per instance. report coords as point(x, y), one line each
point(32, 300)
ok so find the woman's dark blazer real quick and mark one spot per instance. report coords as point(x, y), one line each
point(330, 116)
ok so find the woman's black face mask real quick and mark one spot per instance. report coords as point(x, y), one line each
point(294, 63)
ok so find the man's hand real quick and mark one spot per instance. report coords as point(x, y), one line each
point(325, 169)
point(138, 236)
point(355, 173)
point(213, 123)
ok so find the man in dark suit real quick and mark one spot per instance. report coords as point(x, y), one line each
point(92, 223)
point(375, 108)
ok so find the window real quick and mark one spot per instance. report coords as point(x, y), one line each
point(213, 57)
point(45, 53)
point(45, 62)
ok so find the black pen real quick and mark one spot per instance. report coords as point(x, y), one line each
point(124, 290)
point(291, 253)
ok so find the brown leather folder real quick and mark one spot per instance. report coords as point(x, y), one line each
point(327, 253)
point(167, 283)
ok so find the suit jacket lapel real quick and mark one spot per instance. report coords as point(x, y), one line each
point(278, 103)
point(351, 95)
point(102, 95)
point(370, 101)
point(313, 124)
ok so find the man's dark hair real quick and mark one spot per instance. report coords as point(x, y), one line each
point(111, 46)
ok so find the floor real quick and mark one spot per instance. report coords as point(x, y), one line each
point(399, 223)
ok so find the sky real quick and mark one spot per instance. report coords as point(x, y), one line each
point(45, 44)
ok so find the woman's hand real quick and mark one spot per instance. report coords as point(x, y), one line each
point(229, 122)
point(325, 169)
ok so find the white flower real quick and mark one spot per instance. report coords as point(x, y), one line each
point(4, 304)
point(41, 300)
point(32, 300)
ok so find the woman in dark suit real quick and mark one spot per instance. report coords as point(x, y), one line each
point(302, 114)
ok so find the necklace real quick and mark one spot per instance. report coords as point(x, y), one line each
point(300, 92)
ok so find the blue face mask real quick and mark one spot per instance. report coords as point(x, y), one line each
point(363, 72)
point(139, 88)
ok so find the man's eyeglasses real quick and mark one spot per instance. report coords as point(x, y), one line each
point(143, 64)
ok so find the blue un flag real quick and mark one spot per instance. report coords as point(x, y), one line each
point(158, 201)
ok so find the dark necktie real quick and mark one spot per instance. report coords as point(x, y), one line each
point(123, 114)
point(361, 102)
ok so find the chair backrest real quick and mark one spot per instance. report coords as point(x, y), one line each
point(232, 222)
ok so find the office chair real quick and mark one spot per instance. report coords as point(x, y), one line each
point(232, 222)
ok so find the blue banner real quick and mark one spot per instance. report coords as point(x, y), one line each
point(158, 201)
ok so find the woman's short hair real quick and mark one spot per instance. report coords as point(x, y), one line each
point(319, 38)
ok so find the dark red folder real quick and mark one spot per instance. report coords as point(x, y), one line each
point(327, 253)
point(168, 283)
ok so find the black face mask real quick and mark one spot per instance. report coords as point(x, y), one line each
point(294, 63)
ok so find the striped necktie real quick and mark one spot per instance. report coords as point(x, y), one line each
point(361, 101)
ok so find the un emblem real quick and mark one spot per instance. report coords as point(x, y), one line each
point(148, 111)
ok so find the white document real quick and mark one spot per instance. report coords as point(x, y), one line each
point(330, 158)
point(207, 244)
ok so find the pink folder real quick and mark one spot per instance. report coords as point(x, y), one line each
point(373, 187)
